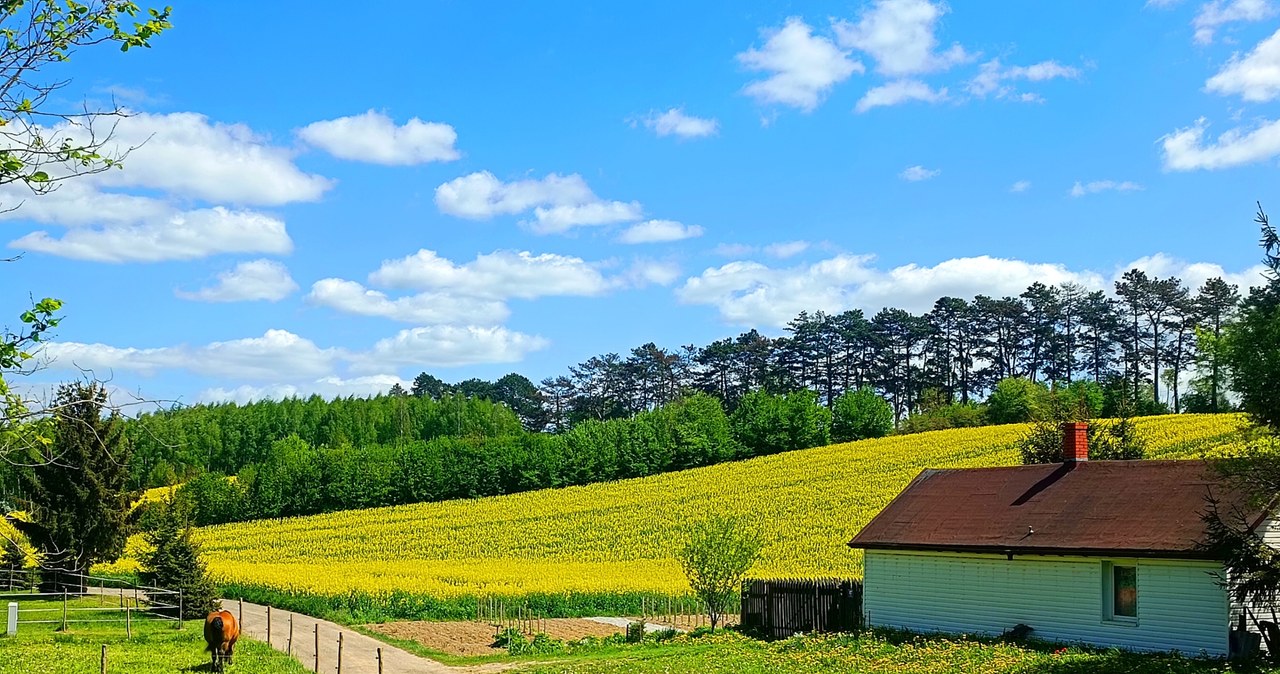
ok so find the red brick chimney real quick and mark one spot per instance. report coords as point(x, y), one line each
point(1075, 442)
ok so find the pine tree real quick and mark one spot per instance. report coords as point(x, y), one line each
point(78, 497)
point(174, 563)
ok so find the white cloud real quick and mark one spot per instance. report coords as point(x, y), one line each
point(448, 346)
point(750, 293)
point(733, 249)
point(1162, 4)
point(899, 91)
point(255, 280)
point(175, 235)
point(1185, 150)
point(675, 122)
point(1253, 77)
point(481, 195)
point(560, 203)
point(917, 173)
point(429, 308)
point(277, 352)
point(1193, 274)
point(659, 231)
point(786, 249)
point(374, 137)
point(185, 154)
point(325, 387)
point(992, 78)
point(643, 273)
point(802, 66)
point(560, 219)
point(899, 35)
point(497, 275)
point(1221, 12)
point(1095, 186)
point(1020, 186)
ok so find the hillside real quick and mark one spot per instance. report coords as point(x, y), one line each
point(618, 537)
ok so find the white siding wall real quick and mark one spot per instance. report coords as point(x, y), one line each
point(1270, 532)
point(1179, 605)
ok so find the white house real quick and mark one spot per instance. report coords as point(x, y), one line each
point(1101, 552)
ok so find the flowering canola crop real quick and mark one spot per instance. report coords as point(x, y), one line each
point(621, 536)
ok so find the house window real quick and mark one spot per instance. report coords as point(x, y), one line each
point(1120, 584)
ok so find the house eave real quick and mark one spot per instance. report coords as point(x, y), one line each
point(1007, 550)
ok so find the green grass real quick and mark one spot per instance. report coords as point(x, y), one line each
point(732, 653)
point(156, 647)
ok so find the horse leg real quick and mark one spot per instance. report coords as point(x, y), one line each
point(231, 647)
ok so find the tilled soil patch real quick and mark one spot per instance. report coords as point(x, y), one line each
point(476, 638)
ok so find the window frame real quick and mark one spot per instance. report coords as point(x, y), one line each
point(1109, 592)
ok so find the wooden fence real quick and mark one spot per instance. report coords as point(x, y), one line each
point(777, 609)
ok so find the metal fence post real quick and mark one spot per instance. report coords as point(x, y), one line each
point(12, 627)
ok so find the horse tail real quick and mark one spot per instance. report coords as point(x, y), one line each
point(214, 628)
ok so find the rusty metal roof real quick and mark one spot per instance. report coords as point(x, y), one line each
point(1135, 508)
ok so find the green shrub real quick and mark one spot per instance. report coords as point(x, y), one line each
point(861, 414)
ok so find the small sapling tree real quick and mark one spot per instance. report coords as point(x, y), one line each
point(719, 552)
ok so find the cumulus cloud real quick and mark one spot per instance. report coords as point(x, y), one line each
point(171, 235)
point(751, 293)
point(1193, 274)
point(996, 78)
point(1186, 150)
point(801, 67)
point(659, 231)
point(423, 308)
point(499, 275)
point(255, 280)
point(325, 387)
point(1254, 76)
point(184, 153)
point(675, 122)
point(1095, 186)
point(447, 346)
point(375, 138)
point(897, 92)
point(284, 360)
point(900, 36)
point(1020, 186)
point(267, 357)
point(1213, 15)
point(560, 203)
point(917, 173)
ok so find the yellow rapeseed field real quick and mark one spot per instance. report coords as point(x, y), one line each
point(621, 536)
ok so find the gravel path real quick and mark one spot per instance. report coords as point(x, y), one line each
point(359, 652)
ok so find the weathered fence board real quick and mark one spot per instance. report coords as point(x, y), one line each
point(777, 609)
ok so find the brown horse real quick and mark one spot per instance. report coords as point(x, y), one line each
point(220, 633)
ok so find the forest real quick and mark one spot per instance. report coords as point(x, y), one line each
point(1147, 349)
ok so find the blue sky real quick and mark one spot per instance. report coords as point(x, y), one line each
point(330, 201)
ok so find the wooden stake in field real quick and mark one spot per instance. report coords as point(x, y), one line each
point(288, 649)
point(64, 610)
point(104, 659)
point(241, 616)
point(128, 622)
point(379, 660)
point(268, 625)
point(339, 652)
point(317, 648)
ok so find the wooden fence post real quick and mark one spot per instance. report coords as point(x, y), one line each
point(240, 617)
point(104, 659)
point(379, 660)
point(179, 609)
point(64, 609)
point(268, 625)
point(288, 649)
point(128, 622)
point(339, 652)
point(317, 648)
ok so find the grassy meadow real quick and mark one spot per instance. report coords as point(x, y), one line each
point(155, 647)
